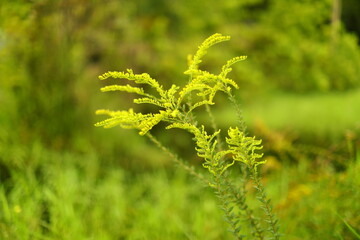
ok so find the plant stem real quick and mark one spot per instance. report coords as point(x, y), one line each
point(271, 219)
point(239, 113)
point(240, 199)
point(177, 160)
point(227, 205)
point(214, 126)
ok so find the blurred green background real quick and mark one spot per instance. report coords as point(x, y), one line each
point(62, 178)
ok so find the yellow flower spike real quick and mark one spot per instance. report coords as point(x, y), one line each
point(126, 88)
point(210, 41)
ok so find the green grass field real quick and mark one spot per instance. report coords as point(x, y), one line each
point(79, 196)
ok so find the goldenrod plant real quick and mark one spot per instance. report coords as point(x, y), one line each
point(176, 107)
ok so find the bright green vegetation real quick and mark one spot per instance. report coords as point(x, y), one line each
point(76, 197)
point(66, 195)
point(62, 178)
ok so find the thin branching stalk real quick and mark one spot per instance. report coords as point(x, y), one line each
point(271, 220)
point(239, 112)
point(239, 196)
point(214, 127)
point(227, 205)
point(177, 160)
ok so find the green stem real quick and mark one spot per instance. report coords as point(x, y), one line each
point(239, 113)
point(240, 200)
point(177, 160)
point(227, 205)
point(214, 126)
point(265, 202)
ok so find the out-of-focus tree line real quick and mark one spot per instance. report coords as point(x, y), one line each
point(51, 53)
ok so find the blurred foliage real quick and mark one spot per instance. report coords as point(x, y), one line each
point(69, 195)
point(350, 16)
point(297, 52)
point(51, 53)
point(54, 50)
